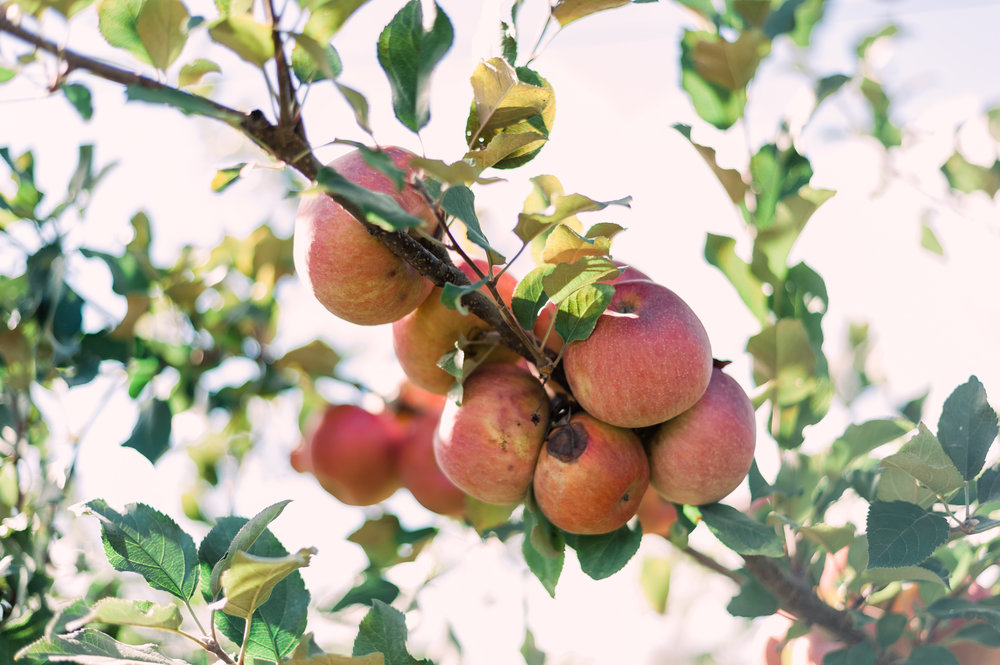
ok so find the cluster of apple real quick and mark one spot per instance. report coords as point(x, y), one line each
point(645, 405)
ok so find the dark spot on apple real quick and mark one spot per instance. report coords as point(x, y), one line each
point(510, 467)
point(625, 498)
point(568, 442)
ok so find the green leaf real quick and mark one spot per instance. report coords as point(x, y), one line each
point(122, 612)
point(654, 578)
point(146, 541)
point(967, 427)
point(500, 99)
point(226, 177)
point(903, 534)
point(151, 435)
point(153, 31)
point(567, 11)
point(923, 458)
point(753, 600)
point(830, 538)
point(730, 179)
point(452, 294)
point(378, 208)
point(383, 630)
point(92, 647)
point(79, 96)
point(543, 549)
point(578, 314)
point(566, 278)
point(930, 654)
point(503, 146)
point(241, 34)
point(603, 555)
point(862, 653)
point(485, 516)
point(967, 177)
point(326, 17)
point(184, 102)
point(897, 485)
point(358, 103)
point(776, 174)
point(720, 251)
point(192, 73)
point(929, 240)
point(988, 486)
point(408, 54)
point(883, 576)
point(373, 587)
point(387, 543)
point(860, 439)
point(882, 127)
point(532, 654)
point(314, 61)
point(739, 532)
point(243, 541)
point(715, 72)
point(784, 359)
point(459, 201)
point(563, 207)
point(248, 580)
point(529, 297)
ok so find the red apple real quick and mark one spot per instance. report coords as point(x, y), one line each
point(421, 337)
point(590, 476)
point(704, 453)
point(488, 445)
point(352, 453)
point(656, 514)
point(419, 470)
point(349, 271)
point(648, 359)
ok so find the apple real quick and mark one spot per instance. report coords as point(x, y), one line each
point(488, 445)
point(648, 359)
point(424, 335)
point(349, 271)
point(544, 321)
point(590, 476)
point(352, 453)
point(704, 453)
point(656, 514)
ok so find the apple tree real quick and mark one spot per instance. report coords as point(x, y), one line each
point(568, 409)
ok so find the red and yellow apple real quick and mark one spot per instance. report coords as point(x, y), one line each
point(656, 514)
point(590, 476)
point(704, 453)
point(489, 444)
point(349, 271)
point(424, 335)
point(649, 358)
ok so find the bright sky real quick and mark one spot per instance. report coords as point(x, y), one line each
point(935, 320)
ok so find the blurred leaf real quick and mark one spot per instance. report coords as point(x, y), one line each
point(459, 201)
point(882, 128)
point(326, 17)
point(831, 538)
point(720, 251)
point(248, 580)
point(408, 54)
point(142, 371)
point(192, 73)
point(184, 102)
point(92, 647)
point(928, 239)
point(967, 177)
point(654, 578)
point(241, 34)
point(383, 630)
point(485, 516)
point(796, 18)
point(903, 534)
point(601, 556)
point(543, 549)
point(379, 208)
point(316, 359)
point(358, 103)
point(739, 532)
point(578, 314)
point(567, 11)
point(372, 587)
point(753, 600)
point(784, 360)
point(122, 612)
point(79, 96)
point(730, 179)
point(967, 427)
point(387, 543)
point(862, 653)
point(987, 610)
point(313, 60)
point(897, 485)
point(860, 439)
point(715, 72)
point(531, 653)
point(146, 541)
point(988, 485)
point(151, 435)
point(243, 541)
point(153, 31)
point(775, 175)
point(923, 457)
point(226, 177)
point(333, 659)
point(930, 654)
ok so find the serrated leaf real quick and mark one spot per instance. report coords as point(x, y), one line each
point(146, 541)
point(459, 201)
point(314, 61)
point(903, 534)
point(379, 208)
point(408, 54)
point(383, 630)
point(151, 435)
point(79, 96)
point(563, 207)
point(92, 647)
point(967, 427)
point(923, 458)
point(739, 532)
point(529, 297)
point(567, 11)
point(577, 315)
point(543, 549)
point(241, 34)
point(601, 556)
point(243, 541)
point(248, 580)
point(192, 73)
point(720, 251)
point(122, 612)
point(988, 486)
point(501, 99)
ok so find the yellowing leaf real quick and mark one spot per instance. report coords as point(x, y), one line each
point(192, 73)
point(567, 11)
point(730, 65)
point(501, 99)
point(121, 612)
point(502, 146)
point(566, 246)
point(245, 37)
point(248, 582)
point(162, 27)
point(332, 659)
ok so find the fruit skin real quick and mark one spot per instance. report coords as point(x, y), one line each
point(591, 476)
point(704, 454)
point(424, 335)
point(656, 514)
point(648, 359)
point(349, 271)
point(419, 470)
point(352, 453)
point(488, 446)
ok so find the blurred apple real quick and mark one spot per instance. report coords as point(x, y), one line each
point(656, 514)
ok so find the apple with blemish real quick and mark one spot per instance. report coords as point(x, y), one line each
point(349, 271)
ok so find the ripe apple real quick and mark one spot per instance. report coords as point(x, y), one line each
point(704, 453)
point(590, 476)
point(352, 453)
point(424, 335)
point(348, 270)
point(544, 321)
point(648, 359)
point(656, 514)
point(488, 445)
point(419, 470)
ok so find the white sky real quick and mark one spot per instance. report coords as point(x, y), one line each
point(935, 321)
